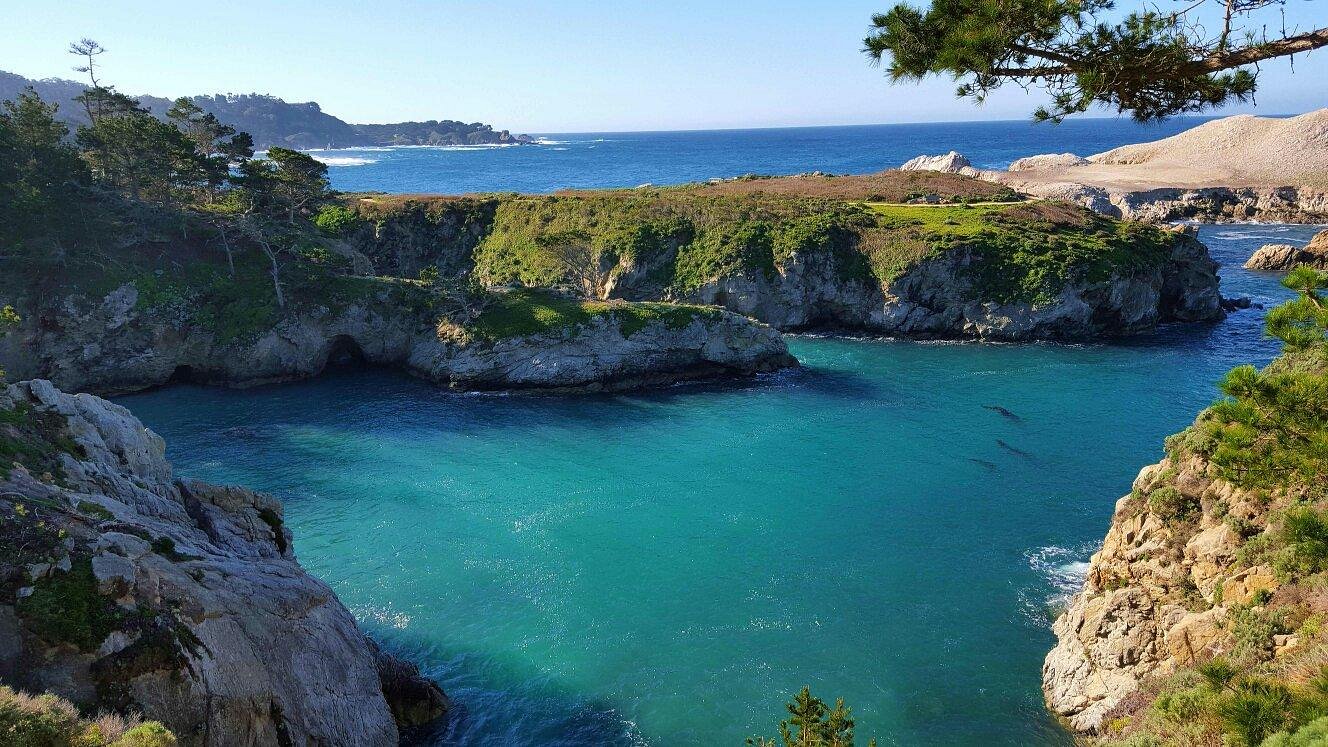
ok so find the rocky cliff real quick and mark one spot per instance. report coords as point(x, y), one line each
point(127, 589)
point(1157, 594)
point(941, 297)
point(1000, 271)
point(1200, 620)
point(122, 342)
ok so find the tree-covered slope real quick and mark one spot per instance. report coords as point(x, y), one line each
point(273, 121)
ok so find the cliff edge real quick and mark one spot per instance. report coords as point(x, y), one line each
point(1201, 617)
point(124, 588)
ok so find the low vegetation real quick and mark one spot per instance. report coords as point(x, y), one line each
point(522, 312)
point(51, 721)
point(66, 608)
point(683, 238)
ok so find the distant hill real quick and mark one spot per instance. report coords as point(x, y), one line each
point(272, 121)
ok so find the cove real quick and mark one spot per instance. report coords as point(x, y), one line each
point(667, 567)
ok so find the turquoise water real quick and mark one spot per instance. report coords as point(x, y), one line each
point(626, 159)
point(668, 567)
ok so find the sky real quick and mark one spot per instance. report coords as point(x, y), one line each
point(541, 67)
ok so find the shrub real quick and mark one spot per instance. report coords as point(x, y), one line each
point(51, 721)
point(336, 220)
point(66, 608)
point(1172, 505)
point(1256, 709)
point(1313, 734)
point(1305, 533)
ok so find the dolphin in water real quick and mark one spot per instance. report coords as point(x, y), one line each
point(991, 466)
point(1004, 412)
point(1012, 449)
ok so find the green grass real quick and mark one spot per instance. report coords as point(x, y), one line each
point(1028, 252)
point(687, 238)
point(34, 439)
point(95, 510)
point(66, 608)
point(525, 312)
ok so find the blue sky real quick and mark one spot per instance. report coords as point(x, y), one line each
point(566, 66)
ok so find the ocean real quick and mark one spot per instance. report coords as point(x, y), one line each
point(630, 159)
point(668, 567)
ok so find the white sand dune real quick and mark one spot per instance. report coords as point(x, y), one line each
point(1238, 151)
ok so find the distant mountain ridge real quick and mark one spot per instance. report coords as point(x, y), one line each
point(273, 121)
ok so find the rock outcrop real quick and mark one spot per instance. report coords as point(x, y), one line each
point(125, 588)
point(1283, 257)
point(935, 299)
point(1231, 169)
point(115, 344)
point(950, 163)
point(805, 252)
point(1158, 593)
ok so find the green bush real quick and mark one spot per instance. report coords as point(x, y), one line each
point(336, 220)
point(1305, 535)
point(1256, 709)
point(1253, 629)
point(1313, 734)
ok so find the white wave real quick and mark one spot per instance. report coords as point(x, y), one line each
point(354, 149)
point(345, 160)
point(383, 615)
point(1064, 569)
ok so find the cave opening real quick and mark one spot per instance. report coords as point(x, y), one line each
point(345, 351)
point(182, 375)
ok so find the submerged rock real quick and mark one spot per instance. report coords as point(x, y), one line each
point(174, 598)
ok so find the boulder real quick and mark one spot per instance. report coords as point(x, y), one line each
point(1283, 257)
point(950, 163)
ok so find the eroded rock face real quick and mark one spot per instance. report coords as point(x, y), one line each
point(1283, 257)
point(1156, 595)
point(111, 345)
point(935, 299)
point(128, 589)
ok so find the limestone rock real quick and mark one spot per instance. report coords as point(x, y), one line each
point(1049, 160)
point(950, 163)
point(934, 298)
point(1244, 585)
point(1137, 616)
point(150, 349)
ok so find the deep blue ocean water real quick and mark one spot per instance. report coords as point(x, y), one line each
point(586, 160)
point(668, 567)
